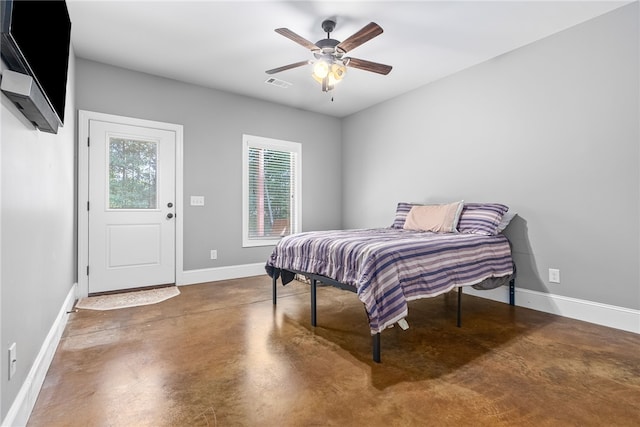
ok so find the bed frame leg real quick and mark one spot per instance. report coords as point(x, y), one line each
point(459, 315)
point(275, 291)
point(376, 347)
point(313, 302)
point(512, 292)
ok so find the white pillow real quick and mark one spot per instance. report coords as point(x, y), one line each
point(506, 219)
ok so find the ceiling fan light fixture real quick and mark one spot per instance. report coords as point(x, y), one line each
point(338, 71)
point(328, 74)
point(321, 69)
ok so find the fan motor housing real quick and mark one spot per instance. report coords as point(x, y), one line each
point(328, 45)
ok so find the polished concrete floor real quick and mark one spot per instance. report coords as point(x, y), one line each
point(220, 354)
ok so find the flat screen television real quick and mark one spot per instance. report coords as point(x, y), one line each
point(35, 39)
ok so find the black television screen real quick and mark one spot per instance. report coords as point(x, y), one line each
point(35, 41)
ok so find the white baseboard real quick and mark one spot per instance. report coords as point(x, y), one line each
point(192, 277)
point(611, 316)
point(20, 410)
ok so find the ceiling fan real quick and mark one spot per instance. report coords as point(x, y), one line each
point(329, 63)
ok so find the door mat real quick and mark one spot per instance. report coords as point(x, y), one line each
point(128, 299)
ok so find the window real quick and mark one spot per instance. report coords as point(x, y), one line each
point(271, 190)
point(132, 174)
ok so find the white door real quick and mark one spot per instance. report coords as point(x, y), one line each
point(132, 190)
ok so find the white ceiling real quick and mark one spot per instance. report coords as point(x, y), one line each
point(228, 45)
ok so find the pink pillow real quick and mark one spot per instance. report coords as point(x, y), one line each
point(436, 218)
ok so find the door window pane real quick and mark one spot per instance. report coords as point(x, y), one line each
point(132, 174)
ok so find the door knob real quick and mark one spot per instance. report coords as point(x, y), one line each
point(169, 215)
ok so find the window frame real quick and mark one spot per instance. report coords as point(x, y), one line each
point(252, 141)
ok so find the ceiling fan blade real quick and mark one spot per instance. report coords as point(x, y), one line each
point(365, 34)
point(374, 67)
point(287, 67)
point(296, 38)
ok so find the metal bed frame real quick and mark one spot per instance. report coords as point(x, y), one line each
point(376, 337)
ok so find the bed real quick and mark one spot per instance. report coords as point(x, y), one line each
point(387, 267)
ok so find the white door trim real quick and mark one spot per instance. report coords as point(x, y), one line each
point(83, 190)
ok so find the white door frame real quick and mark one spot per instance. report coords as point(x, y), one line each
point(83, 190)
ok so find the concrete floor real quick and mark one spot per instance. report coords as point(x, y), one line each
point(220, 354)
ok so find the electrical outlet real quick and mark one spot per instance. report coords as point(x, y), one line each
point(13, 360)
point(214, 254)
point(554, 275)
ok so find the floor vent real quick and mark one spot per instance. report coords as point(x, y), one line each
point(277, 82)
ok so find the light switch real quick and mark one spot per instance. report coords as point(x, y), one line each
point(197, 200)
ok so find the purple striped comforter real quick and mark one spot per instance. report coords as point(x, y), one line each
point(388, 267)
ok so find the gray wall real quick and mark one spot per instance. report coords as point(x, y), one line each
point(214, 122)
point(37, 228)
point(550, 129)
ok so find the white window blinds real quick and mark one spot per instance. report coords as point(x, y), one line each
point(271, 190)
